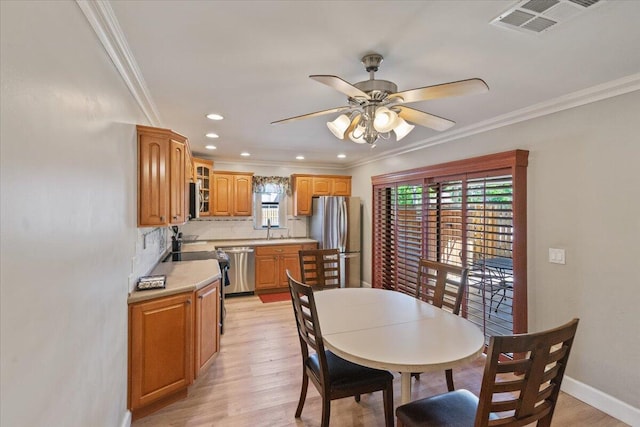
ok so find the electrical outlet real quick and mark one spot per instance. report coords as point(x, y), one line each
point(556, 256)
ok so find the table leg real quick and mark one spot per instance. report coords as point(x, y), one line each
point(405, 390)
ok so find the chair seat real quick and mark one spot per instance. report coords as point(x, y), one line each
point(344, 374)
point(453, 409)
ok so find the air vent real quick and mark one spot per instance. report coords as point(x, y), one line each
point(537, 16)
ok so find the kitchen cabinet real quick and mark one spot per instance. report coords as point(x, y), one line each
point(232, 195)
point(207, 326)
point(272, 263)
point(305, 187)
point(203, 170)
point(173, 340)
point(162, 178)
point(302, 194)
point(160, 352)
point(322, 186)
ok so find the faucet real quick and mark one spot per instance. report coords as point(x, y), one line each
point(268, 228)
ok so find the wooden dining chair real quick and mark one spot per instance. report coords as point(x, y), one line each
point(320, 268)
point(442, 285)
point(513, 392)
point(333, 376)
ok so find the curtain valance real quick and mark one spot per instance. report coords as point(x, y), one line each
point(272, 184)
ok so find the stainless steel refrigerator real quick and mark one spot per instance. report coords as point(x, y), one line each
point(336, 222)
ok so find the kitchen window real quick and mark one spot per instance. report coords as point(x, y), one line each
point(470, 213)
point(270, 201)
point(270, 207)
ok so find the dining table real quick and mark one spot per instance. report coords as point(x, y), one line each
point(390, 330)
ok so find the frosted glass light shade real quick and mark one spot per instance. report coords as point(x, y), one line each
point(385, 120)
point(339, 126)
point(402, 128)
point(357, 135)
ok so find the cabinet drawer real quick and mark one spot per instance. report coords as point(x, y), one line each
point(278, 250)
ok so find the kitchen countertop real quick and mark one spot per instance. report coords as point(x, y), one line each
point(182, 276)
point(210, 245)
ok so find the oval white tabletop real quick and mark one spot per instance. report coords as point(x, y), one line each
point(390, 330)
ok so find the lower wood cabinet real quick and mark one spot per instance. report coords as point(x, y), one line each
point(272, 263)
point(172, 340)
point(207, 336)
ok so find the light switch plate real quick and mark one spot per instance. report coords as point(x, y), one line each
point(556, 256)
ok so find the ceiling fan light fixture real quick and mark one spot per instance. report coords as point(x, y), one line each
point(402, 128)
point(385, 120)
point(357, 135)
point(339, 126)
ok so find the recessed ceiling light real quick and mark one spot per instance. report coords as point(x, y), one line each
point(212, 135)
point(245, 154)
point(299, 157)
point(214, 116)
point(342, 156)
point(210, 147)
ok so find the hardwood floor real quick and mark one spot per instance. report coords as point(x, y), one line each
point(255, 381)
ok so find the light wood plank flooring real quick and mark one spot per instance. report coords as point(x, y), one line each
point(255, 381)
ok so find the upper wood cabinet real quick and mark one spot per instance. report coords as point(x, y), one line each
point(232, 194)
point(305, 187)
point(203, 173)
point(162, 178)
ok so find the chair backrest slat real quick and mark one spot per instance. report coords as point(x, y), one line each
point(441, 284)
point(535, 380)
point(320, 268)
point(304, 309)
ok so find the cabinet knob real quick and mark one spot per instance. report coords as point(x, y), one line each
point(188, 302)
point(161, 218)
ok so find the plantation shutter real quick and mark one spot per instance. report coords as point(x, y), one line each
point(384, 238)
point(469, 213)
point(409, 234)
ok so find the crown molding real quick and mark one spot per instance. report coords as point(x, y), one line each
point(576, 99)
point(104, 23)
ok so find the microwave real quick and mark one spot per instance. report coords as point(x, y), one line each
point(194, 200)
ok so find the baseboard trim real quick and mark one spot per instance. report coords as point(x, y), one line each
point(602, 401)
point(126, 420)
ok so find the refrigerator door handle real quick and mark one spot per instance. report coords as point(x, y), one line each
point(343, 225)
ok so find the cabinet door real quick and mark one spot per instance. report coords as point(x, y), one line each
point(177, 183)
point(289, 262)
point(302, 196)
point(322, 186)
point(267, 272)
point(222, 194)
point(207, 336)
point(204, 171)
point(153, 180)
point(160, 348)
point(242, 196)
point(342, 186)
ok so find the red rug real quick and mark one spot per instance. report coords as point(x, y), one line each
point(280, 296)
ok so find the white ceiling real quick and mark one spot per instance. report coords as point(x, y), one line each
point(250, 62)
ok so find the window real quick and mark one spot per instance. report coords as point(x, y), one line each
point(465, 213)
point(270, 207)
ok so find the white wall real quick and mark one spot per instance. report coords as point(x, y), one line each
point(68, 200)
point(582, 196)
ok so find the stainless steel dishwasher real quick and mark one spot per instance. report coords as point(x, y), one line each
point(242, 271)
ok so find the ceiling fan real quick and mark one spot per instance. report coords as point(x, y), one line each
point(376, 108)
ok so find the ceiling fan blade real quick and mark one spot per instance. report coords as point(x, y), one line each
point(424, 119)
point(340, 85)
point(463, 87)
point(317, 113)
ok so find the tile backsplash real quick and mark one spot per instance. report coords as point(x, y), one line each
point(240, 228)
